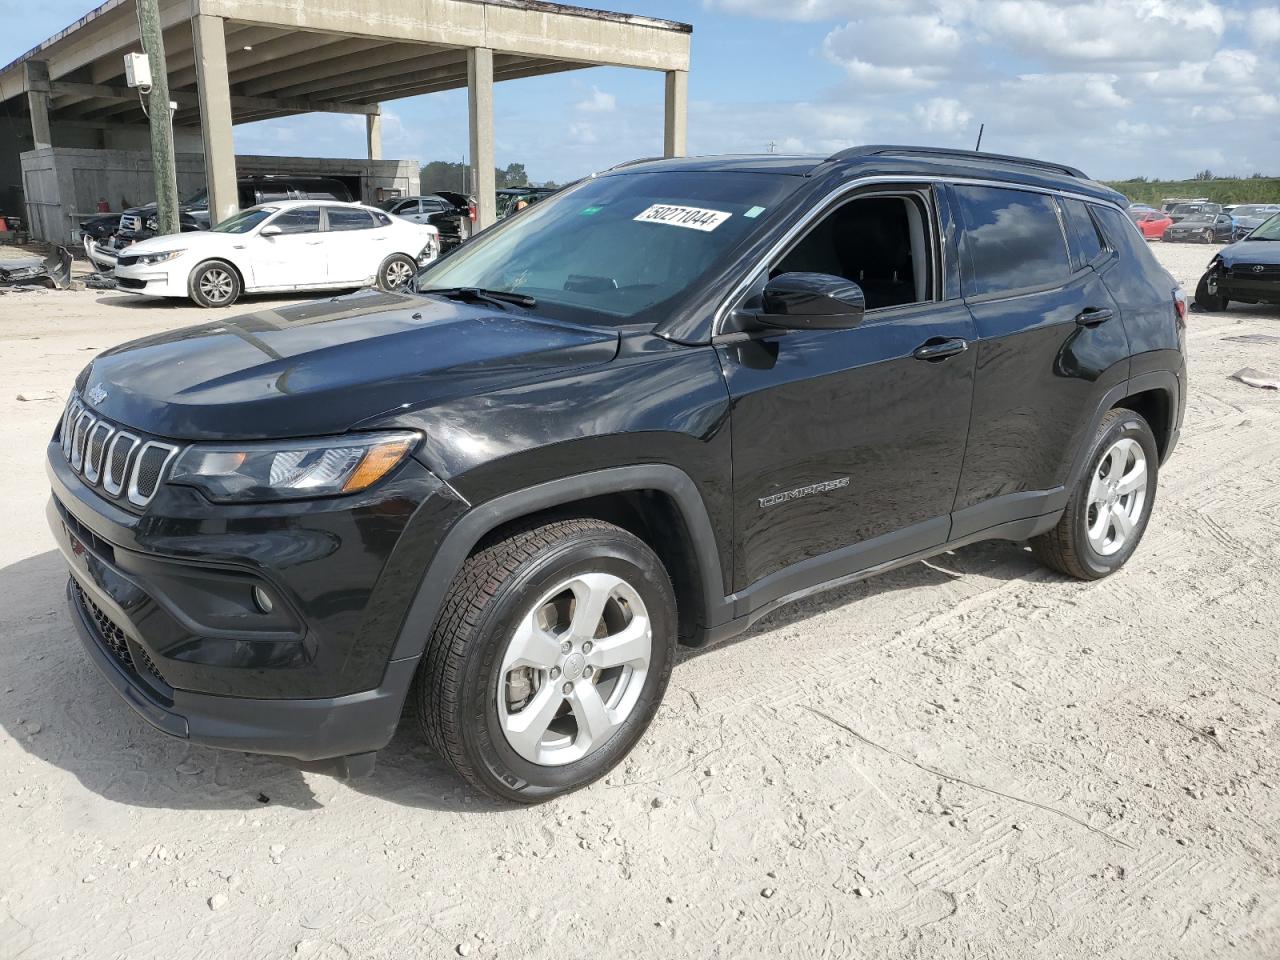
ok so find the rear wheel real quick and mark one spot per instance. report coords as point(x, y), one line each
point(396, 272)
point(214, 283)
point(551, 655)
point(1108, 511)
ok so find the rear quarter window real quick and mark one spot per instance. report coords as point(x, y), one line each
point(1013, 240)
point(1087, 243)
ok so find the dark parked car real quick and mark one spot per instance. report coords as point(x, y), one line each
point(514, 199)
point(1247, 217)
point(1200, 228)
point(1182, 211)
point(685, 393)
point(448, 213)
point(1247, 271)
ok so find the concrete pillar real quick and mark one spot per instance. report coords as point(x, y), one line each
point(38, 101)
point(675, 127)
point(210, 39)
point(480, 115)
point(373, 132)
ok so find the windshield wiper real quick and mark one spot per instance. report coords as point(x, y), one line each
point(498, 298)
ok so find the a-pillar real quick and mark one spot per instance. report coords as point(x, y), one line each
point(676, 114)
point(209, 35)
point(38, 101)
point(480, 117)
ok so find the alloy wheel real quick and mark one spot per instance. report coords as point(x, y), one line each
point(1117, 495)
point(398, 273)
point(216, 284)
point(574, 669)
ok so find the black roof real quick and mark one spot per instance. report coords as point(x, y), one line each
point(885, 160)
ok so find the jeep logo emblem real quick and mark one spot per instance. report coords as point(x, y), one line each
point(97, 393)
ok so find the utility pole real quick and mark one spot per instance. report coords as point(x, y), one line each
point(158, 112)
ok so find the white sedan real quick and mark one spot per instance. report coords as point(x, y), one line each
point(285, 246)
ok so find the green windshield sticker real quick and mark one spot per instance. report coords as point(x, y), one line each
point(589, 211)
point(754, 212)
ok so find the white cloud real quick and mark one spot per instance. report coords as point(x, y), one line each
point(598, 102)
point(943, 115)
point(897, 41)
point(1264, 25)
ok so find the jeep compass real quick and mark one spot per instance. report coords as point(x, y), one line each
point(645, 412)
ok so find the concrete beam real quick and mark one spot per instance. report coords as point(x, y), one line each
point(676, 114)
point(266, 51)
point(276, 65)
point(544, 30)
point(38, 101)
point(449, 74)
point(188, 101)
point(373, 133)
point(480, 121)
point(517, 69)
point(390, 61)
point(215, 116)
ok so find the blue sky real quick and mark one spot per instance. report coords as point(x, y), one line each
point(1117, 87)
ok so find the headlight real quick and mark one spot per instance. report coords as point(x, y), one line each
point(147, 259)
point(152, 223)
point(287, 470)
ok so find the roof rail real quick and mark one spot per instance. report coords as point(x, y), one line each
point(880, 149)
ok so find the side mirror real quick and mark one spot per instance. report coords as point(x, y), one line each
point(812, 301)
point(270, 230)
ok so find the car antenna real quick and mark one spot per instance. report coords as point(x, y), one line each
point(978, 146)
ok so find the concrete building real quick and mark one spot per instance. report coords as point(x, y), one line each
point(236, 61)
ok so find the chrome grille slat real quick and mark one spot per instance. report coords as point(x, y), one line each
point(122, 464)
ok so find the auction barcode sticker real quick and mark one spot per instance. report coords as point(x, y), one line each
point(694, 218)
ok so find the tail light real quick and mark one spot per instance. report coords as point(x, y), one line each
point(1180, 304)
point(471, 211)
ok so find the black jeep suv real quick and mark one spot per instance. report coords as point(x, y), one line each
point(646, 412)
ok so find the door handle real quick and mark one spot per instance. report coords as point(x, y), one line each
point(935, 349)
point(1094, 316)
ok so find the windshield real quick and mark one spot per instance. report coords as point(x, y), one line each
point(245, 220)
point(198, 199)
point(1185, 208)
point(615, 249)
point(1198, 218)
point(1268, 231)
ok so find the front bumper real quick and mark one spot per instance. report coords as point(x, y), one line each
point(160, 601)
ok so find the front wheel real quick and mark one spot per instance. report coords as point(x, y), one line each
point(396, 272)
point(1210, 301)
point(550, 657)
point(1108, 511)
point(1208, 236)
point(214, 283)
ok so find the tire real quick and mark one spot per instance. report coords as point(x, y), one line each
point(397, 270)
point(471, 695)
point(214, 283)
point(1209, 302)
point(1208, 236)
point(1123, 441)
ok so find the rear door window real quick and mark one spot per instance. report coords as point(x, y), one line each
point(1086, 242)
point(1013, 240)
point(349, 218)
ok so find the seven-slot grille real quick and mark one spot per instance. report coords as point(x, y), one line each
point(124, 465)
point(131, 222)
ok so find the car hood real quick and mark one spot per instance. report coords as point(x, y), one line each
point(1192, 224)
point(201, 240)
point(1251, 251)
point(324, 367)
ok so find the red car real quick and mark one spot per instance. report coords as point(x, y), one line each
point(1153, 224)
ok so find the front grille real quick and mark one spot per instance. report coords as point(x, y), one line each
point(123, 465)
point(111, 636)
point(1250, 271)
point(130, 223)
point(127, 652)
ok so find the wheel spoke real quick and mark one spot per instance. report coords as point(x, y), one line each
point(591, 591)
point(525, 729)
point(1135, 479)
point(1122, 521)
point(1098, 529)
point(594, 721)
point(631, 645)
point(531, 646)
point(1095, 486)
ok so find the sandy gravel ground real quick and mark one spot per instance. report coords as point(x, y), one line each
point(967, 758)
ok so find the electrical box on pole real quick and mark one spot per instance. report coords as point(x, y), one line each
point(137, 70)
